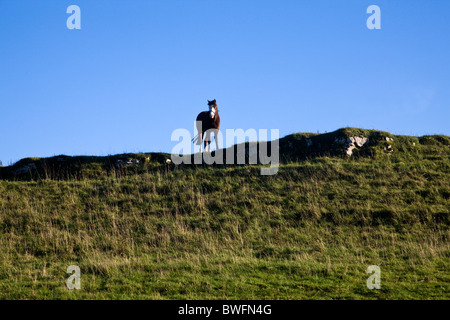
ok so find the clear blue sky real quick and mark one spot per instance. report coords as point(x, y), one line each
point(139, 69)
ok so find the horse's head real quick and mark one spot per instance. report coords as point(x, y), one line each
point(212, 108)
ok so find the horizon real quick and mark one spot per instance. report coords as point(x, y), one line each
point(239, 138)
point(135, 72)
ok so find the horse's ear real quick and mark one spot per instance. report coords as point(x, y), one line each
point(209, 101)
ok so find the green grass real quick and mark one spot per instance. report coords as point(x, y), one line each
point(308, 232)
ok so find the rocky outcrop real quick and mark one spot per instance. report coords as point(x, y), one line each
point(350, 143)
point(121, 163)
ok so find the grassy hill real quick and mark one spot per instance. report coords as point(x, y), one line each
point(144, 229)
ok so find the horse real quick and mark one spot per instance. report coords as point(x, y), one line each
point(207, 122)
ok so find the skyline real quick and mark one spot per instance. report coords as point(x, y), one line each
point(135, 72)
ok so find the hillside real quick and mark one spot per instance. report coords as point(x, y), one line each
point(141, 228)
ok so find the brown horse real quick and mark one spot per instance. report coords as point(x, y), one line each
point(207, 122)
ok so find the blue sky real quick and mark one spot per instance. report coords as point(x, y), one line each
point(137, 70)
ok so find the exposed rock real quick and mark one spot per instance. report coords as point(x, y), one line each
point(389, 139)
point(351, 143)
point(25, 169)
point(129, 161)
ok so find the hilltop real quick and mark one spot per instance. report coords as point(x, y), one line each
point(141, 228)
point(352, 142)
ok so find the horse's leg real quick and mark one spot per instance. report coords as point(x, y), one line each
point(200, 141)
point(216, 134)
point(199, 125)
point(208, 140)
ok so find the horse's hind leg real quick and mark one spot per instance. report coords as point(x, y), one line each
point(200, 141)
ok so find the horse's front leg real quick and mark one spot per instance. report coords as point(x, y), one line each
point(216, 136)
point(207, 140)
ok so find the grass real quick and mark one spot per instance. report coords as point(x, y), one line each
point(167, 232)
